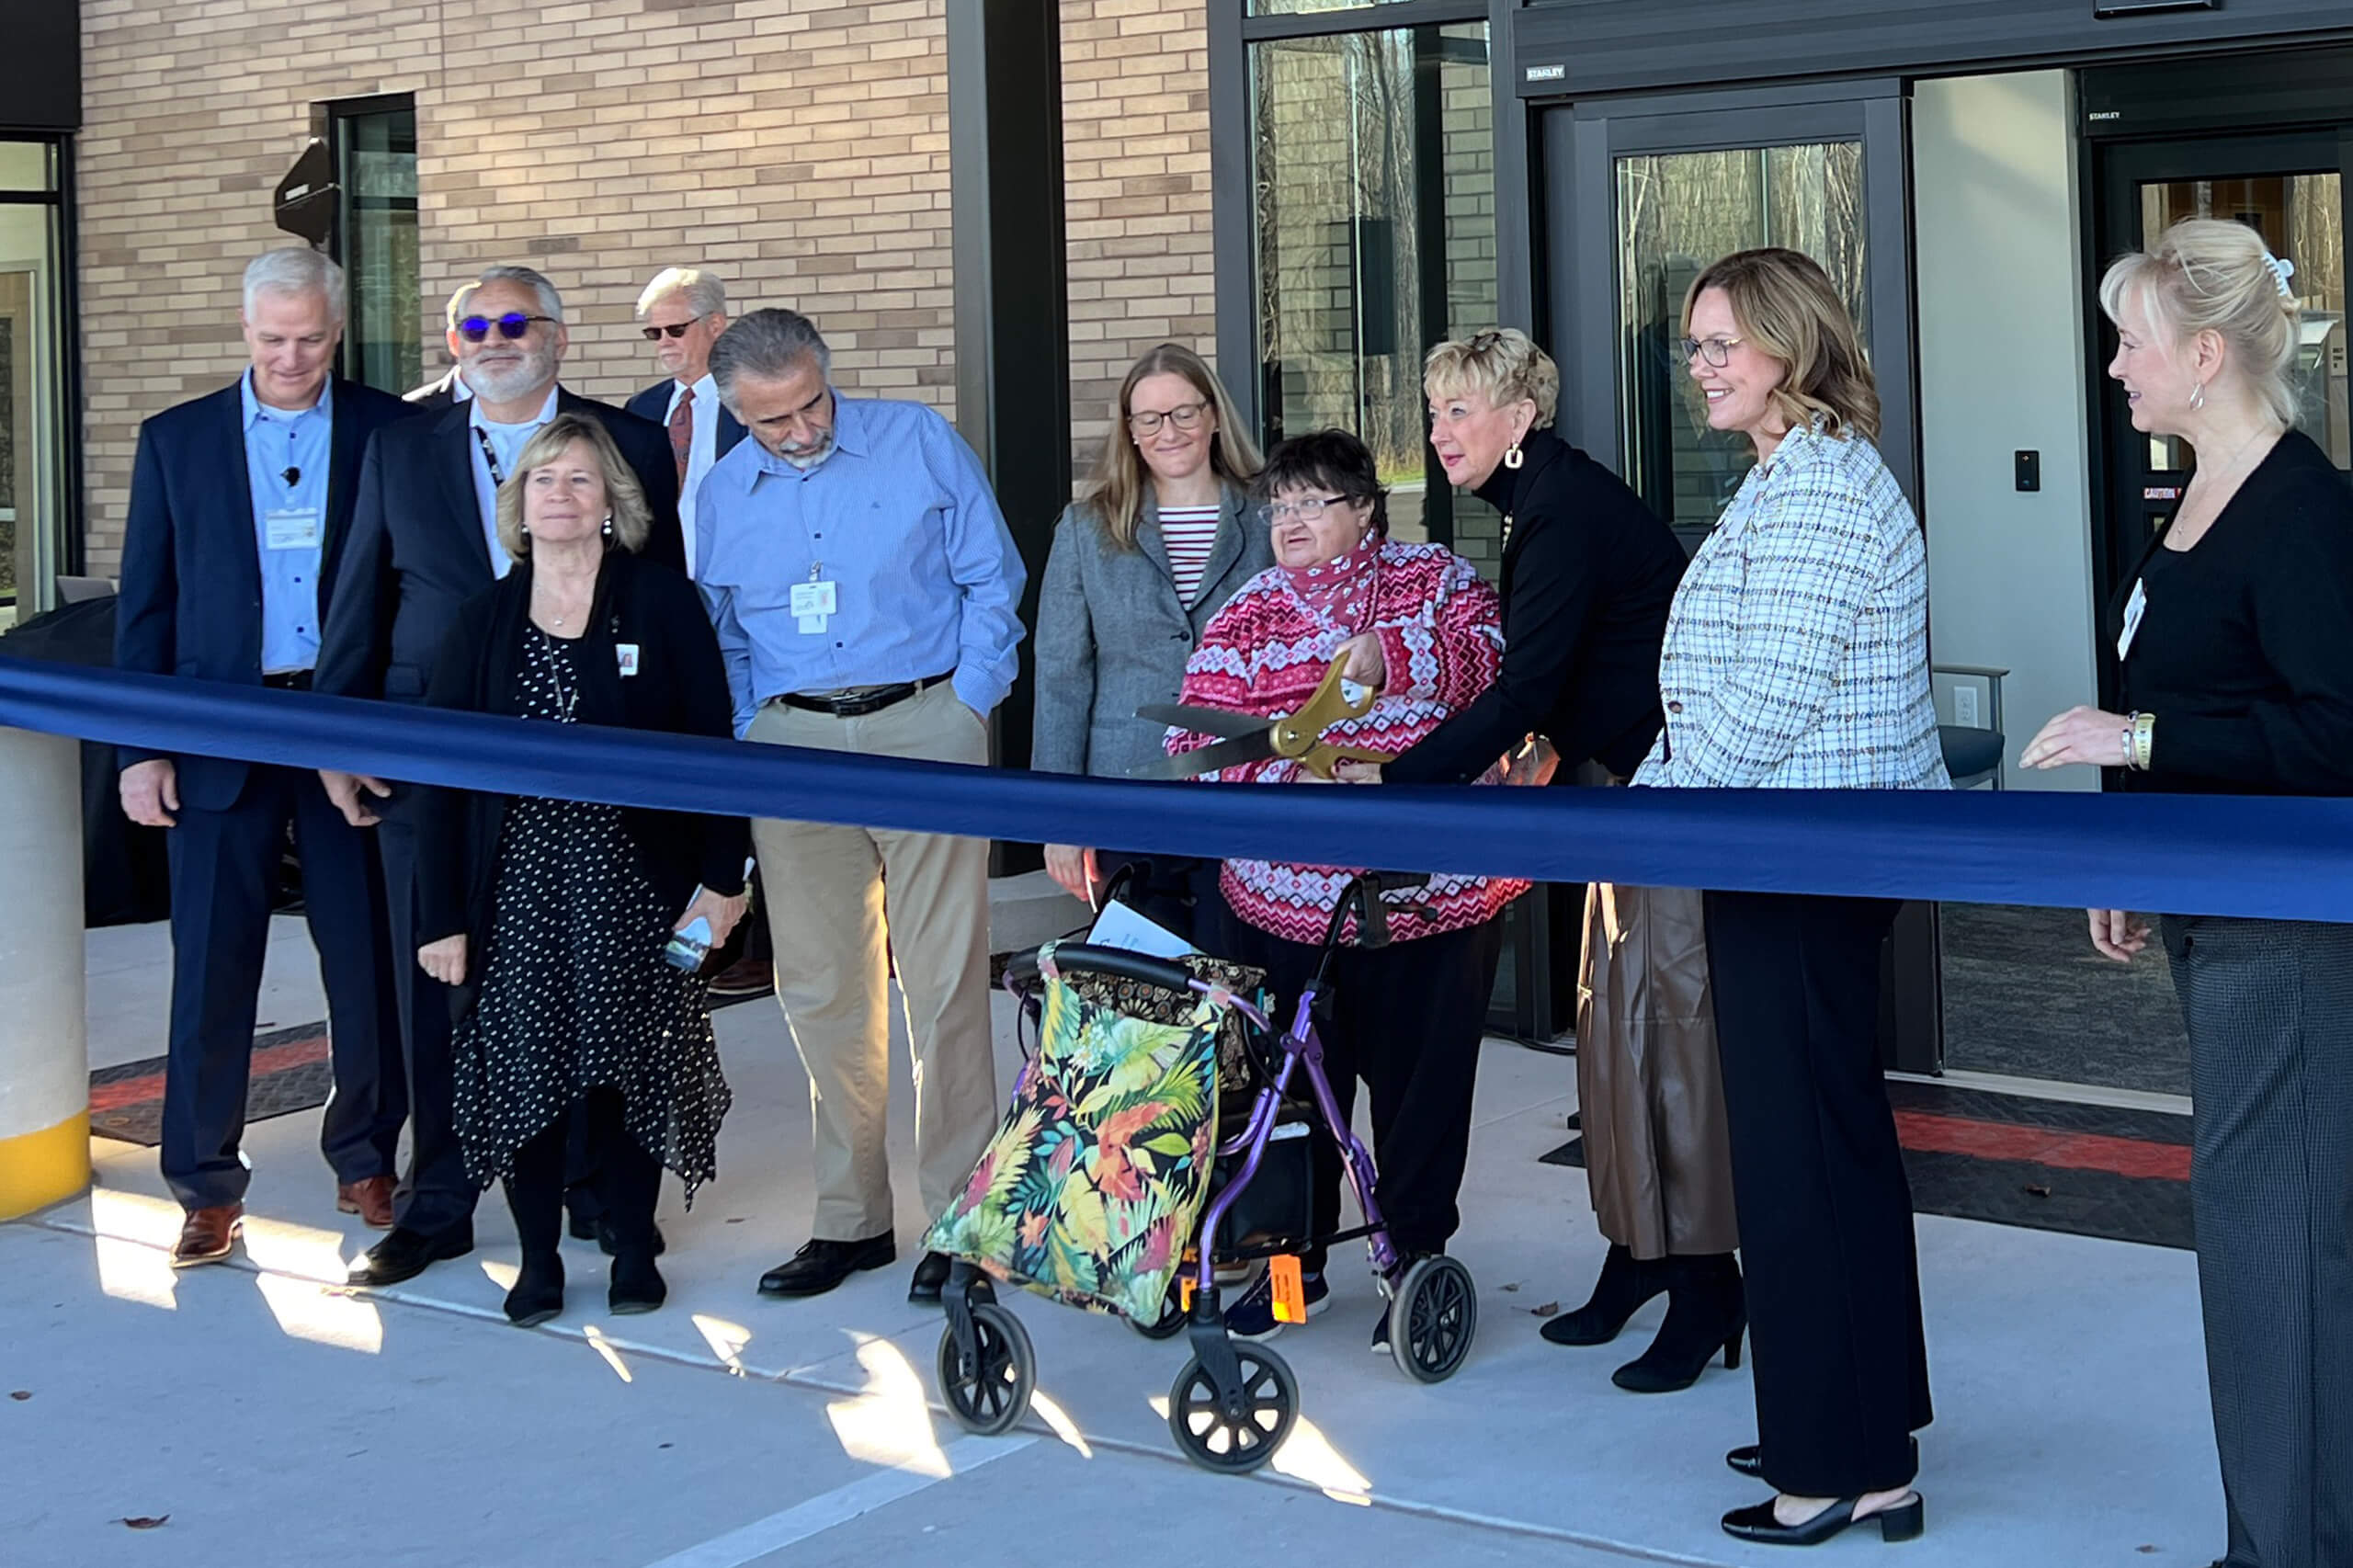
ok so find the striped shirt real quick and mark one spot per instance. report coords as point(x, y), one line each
point(1188, 532)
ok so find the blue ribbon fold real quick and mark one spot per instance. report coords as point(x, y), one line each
point(2288, 857)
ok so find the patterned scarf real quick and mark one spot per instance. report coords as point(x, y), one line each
point(1339, 593)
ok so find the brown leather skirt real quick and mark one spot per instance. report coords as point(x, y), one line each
point(1657, 1156)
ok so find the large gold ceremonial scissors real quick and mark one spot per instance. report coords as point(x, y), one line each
point(1249, 738)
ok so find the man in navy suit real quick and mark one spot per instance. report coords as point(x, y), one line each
point(424, 541)
point(240, 507)
point(682, 313)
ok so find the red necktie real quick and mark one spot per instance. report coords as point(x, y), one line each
point(682, 431)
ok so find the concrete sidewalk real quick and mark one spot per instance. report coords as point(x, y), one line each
point(279, 1420)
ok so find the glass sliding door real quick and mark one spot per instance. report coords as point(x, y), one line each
point(36, 471)
point(376, 239)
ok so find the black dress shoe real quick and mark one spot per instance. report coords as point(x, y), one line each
point(1625, 1284)
point(821, 1265)
point(1905, 1521)
point(537, 1294)
point(404, 1254)
point(1747, 1459)
point(609, 1240)
point(930, 1275)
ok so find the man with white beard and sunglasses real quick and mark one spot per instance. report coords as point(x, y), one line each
point(424, 541)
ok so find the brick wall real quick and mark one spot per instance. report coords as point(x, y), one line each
point(799, 147)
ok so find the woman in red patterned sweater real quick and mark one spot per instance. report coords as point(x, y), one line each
point(1419, 625)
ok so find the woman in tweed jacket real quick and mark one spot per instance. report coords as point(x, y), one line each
point(1797, 657)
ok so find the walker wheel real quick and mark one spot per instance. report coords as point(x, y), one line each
point(1433, 1317)
point(992, 1396)
point(1234, 1444)
point(1173, 1316)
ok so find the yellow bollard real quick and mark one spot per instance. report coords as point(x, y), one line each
point(44, 1048)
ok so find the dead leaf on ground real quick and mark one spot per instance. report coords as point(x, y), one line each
point(1549, 1309)
point(147, 1521)
point(1514, 1286)
point(20, 1395)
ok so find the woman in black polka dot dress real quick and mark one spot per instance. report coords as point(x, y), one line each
point(552, 915)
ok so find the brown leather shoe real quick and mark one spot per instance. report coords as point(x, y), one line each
point(370, 1199)
point(745, 977)
point(208, 1234)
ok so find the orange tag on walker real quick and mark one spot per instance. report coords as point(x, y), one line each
point(1290, 1293)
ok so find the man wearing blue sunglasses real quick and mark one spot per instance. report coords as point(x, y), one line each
point(424, 541)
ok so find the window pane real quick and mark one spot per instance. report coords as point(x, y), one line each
point(1302, 7)
point(1376, 238)
point(32, 473)
point(24, 165)
point(1677, 213)
point(376, 164)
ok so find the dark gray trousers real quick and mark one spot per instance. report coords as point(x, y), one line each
point(2269, 1008)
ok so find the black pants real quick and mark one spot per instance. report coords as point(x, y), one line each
point(628, 1179)
point(225, 867)
point(1407, 1019)
point(1825, 1210)
point(435, 1195)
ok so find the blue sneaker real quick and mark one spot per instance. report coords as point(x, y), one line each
point(1252, 1316)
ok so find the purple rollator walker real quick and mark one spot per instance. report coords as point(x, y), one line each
point(1234, 1402)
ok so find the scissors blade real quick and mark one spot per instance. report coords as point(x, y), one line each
point(1224, 754)
point(1204, 721)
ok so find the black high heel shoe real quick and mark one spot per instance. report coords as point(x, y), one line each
point(1747, 1459)
point(1904, 1521)
point(1624, 1286)
point(1705, 1310)
point(537, 1294)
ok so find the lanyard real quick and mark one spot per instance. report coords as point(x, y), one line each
point(490, 456)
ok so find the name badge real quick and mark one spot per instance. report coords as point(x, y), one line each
point(628, 655)
point(292, 528)
point(813, 604)
point(2134, 608)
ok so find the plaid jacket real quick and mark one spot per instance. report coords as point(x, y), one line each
point(1797, 653)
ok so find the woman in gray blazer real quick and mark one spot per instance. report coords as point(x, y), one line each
point(1161, 539)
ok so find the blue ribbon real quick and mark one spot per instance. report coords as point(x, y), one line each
point(2277, 856)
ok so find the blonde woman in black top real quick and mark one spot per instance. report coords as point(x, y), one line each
point(2235, 641)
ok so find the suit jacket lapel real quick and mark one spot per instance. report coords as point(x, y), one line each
point(458, 454)
point(243, 548)
point(343, 474)
point(1232, 518)
point(1155, 548)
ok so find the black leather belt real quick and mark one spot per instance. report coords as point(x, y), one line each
point(856, 705)
point(290, 680)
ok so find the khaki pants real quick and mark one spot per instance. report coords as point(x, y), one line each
point(831, 894)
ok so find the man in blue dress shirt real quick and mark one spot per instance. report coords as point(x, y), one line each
point(240, 503)
point(865, 591)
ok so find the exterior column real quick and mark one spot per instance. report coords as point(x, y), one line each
point(44, 1050)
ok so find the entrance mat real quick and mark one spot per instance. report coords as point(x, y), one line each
point(290, 1073)
point(2048, 1165)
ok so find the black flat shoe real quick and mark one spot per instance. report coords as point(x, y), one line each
point(608, 1240)
point(821, 1265)
point(1624, 1286)
point(930, 1275)
point(1905, 1521)
point(1746, 1460)
point(404, 1254)
point(637, 1286)
point(537, 1294)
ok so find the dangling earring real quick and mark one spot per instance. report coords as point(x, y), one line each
point(1512, 457)
point(2197, 395)
point(609, 525)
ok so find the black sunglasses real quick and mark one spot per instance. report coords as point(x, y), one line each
point(511, 325)
point(674, 329)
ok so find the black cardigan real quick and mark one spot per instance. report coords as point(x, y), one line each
point(680, 687)
point(1588, 576)
point(2244, 651)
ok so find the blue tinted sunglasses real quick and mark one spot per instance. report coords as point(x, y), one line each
point(511, 325)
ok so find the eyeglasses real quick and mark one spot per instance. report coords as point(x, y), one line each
point(1307, 509)
point(674, 329)
point(1185, 416)
point(1716, 351)
point(511, 325)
